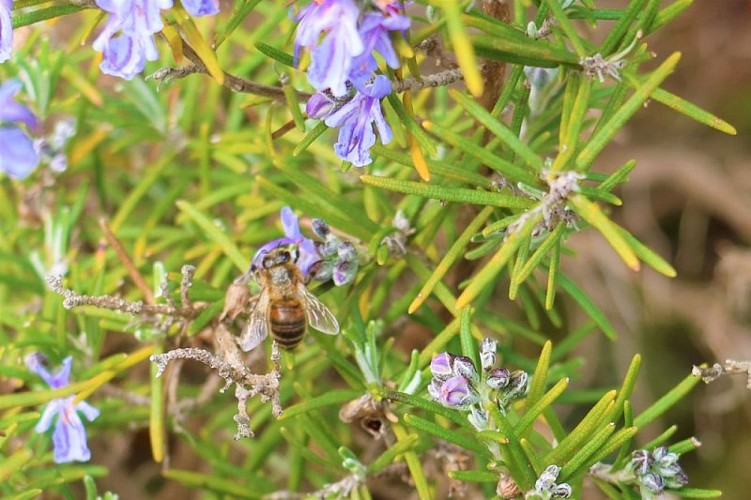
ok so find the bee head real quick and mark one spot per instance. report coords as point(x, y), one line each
point(281, 255)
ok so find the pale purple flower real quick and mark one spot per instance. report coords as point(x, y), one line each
point(308, 255)
point(17, 154)
point(69, 437)
point(456, 391)
point(331, 59)
point(6, 29)
point(198, 8)
point(356, 119)
point(137, 21)
point(374, 32)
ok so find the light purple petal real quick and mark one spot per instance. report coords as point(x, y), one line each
point(88, 411)
point(6, 30)
point(384, 131)
point(69, 438)
point(45, 421)
point(329, 66)
point(198, 8)
point(442, 365)
point(289, 223)
point(338, 117)
point(124, 56)
point(17, 155)
point(319, 106)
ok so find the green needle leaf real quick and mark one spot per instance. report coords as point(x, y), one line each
point(591, 213)
point(487, 275)
point(454, 194)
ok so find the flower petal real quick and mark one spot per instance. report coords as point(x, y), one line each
point(17, 155)
point(88, 411)
point(69, 438)
point(6, 30)
point(198, 8)
point(45, 421)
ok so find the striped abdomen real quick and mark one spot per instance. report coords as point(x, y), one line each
point(287, 320)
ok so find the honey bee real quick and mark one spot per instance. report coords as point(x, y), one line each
point(285, 306)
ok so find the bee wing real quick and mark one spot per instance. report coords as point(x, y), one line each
point(319, 316)
point(256, 329)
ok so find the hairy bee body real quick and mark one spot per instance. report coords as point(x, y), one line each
point(288, 322)
point(285, 305)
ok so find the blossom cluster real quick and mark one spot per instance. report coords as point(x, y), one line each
point(457, 383)
point(127, 40)
point(137, 21)
point(69, 437)
point(546, 486)
point(331, 259)
point(657, 470)
point(343, 41)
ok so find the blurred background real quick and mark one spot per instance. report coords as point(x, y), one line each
point(689, 198)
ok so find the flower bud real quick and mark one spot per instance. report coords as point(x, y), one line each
point(463, 366)
point(498, 378)
point(641, 461)
point(322, 270)
point(653, 482)
point(487, 353)
point(434, 389)
point(456, 391)
point(347, 251)
point(344, 273)
point(478, 419)
point(320, 228)
point(546, 481)
point(677, 481)
point(517, 386)
point(562, 490)
point(442, 366)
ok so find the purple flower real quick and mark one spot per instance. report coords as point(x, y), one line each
point(331, 60)
point(17, 154)
point(456, 391)
point(292, 236)
point(442, 366)
point(69, 436)
point(198, 8)
point(138, 21)
point(356, 119)
point(6, 29)
point(374, 31)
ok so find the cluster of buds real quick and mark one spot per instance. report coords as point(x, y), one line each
point(546, 486)
point(458, 384)
point(339, 260)
point(657, 470)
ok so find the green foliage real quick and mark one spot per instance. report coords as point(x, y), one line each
point(191, 170)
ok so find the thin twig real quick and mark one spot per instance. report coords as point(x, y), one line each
point(73, 299)
point(730, 367)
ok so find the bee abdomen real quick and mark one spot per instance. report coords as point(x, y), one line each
point(287, 319)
